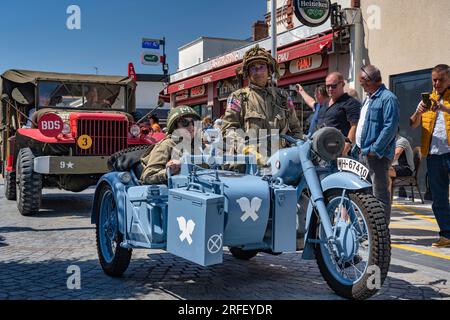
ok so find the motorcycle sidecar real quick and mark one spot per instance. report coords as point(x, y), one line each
point(195, 219)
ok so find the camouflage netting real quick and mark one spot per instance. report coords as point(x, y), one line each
point(259, 54)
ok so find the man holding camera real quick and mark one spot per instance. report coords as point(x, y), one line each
point(433, 113)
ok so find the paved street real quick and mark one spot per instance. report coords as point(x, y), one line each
point(37, 251)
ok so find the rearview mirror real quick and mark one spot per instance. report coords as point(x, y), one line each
point(4, 97)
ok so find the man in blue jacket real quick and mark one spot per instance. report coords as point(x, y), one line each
point(376, 132)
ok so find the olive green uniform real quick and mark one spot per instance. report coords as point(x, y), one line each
point(262, 108)
point(170, 148)
point(155, 163)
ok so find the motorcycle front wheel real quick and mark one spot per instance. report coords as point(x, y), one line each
point(356, 266)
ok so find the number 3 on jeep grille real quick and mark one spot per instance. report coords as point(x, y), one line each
point(84, 142)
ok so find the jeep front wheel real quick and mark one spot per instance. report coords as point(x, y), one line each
point(10, 185)
point(29, 184)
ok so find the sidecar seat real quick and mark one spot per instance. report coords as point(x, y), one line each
point(137, 169)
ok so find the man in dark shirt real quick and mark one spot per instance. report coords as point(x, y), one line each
point(342, 111)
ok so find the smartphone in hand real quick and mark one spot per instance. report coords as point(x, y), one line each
point(426, 100)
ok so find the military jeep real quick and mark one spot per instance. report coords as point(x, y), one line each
point(59, 130)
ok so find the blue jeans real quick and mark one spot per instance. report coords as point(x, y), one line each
point(379, 175)
point(438, 171)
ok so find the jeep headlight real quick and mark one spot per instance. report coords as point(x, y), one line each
point(328, 143)
point(66, 129)
point(135, 130)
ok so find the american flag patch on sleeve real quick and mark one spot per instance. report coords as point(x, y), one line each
point(291, 104)
point(234, 104)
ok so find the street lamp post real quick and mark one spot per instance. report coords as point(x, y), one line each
point(164, 62)
point(273, 27)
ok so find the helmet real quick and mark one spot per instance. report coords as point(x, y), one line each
point(178, 112)
point(256, 53)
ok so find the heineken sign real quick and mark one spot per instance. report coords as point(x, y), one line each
point(312, 13)
point(150, 58)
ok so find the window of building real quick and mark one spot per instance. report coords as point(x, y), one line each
point(408, 88)
point(203, 110)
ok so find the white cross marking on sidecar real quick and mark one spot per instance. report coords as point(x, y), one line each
point(250, 210)
point(186, 229)
point(215, 243)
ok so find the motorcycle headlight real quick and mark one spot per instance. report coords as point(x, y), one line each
point(125, 177)
point(135, 130)
point(328, 143)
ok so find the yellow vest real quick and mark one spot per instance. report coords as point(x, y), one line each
point(429, 122)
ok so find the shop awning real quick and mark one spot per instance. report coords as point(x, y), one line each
point(306, 48)
point(287, 54)
point(204, 79)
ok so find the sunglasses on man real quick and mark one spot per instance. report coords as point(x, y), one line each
point(332, 86)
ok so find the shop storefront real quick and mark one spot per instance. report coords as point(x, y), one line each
point(195, 97)
point(208, 87)
point(224, 88)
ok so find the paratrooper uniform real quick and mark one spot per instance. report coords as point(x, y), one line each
point(259, 108)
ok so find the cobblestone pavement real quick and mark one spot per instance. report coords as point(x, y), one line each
point(37, 251)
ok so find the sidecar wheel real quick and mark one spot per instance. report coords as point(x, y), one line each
point(113, 258)
point(363, 275)
point(240, 254)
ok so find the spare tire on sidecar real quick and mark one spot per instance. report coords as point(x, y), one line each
point(129, 159)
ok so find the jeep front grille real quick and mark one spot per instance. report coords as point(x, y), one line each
point(108, 136)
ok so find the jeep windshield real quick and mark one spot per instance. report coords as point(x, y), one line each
point(87, 96)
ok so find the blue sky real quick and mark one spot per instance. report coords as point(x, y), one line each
point(34, 35)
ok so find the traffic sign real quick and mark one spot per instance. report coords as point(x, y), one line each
point(151, 44)
point(150, 58)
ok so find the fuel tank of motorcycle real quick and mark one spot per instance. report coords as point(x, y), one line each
point(286, 164)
